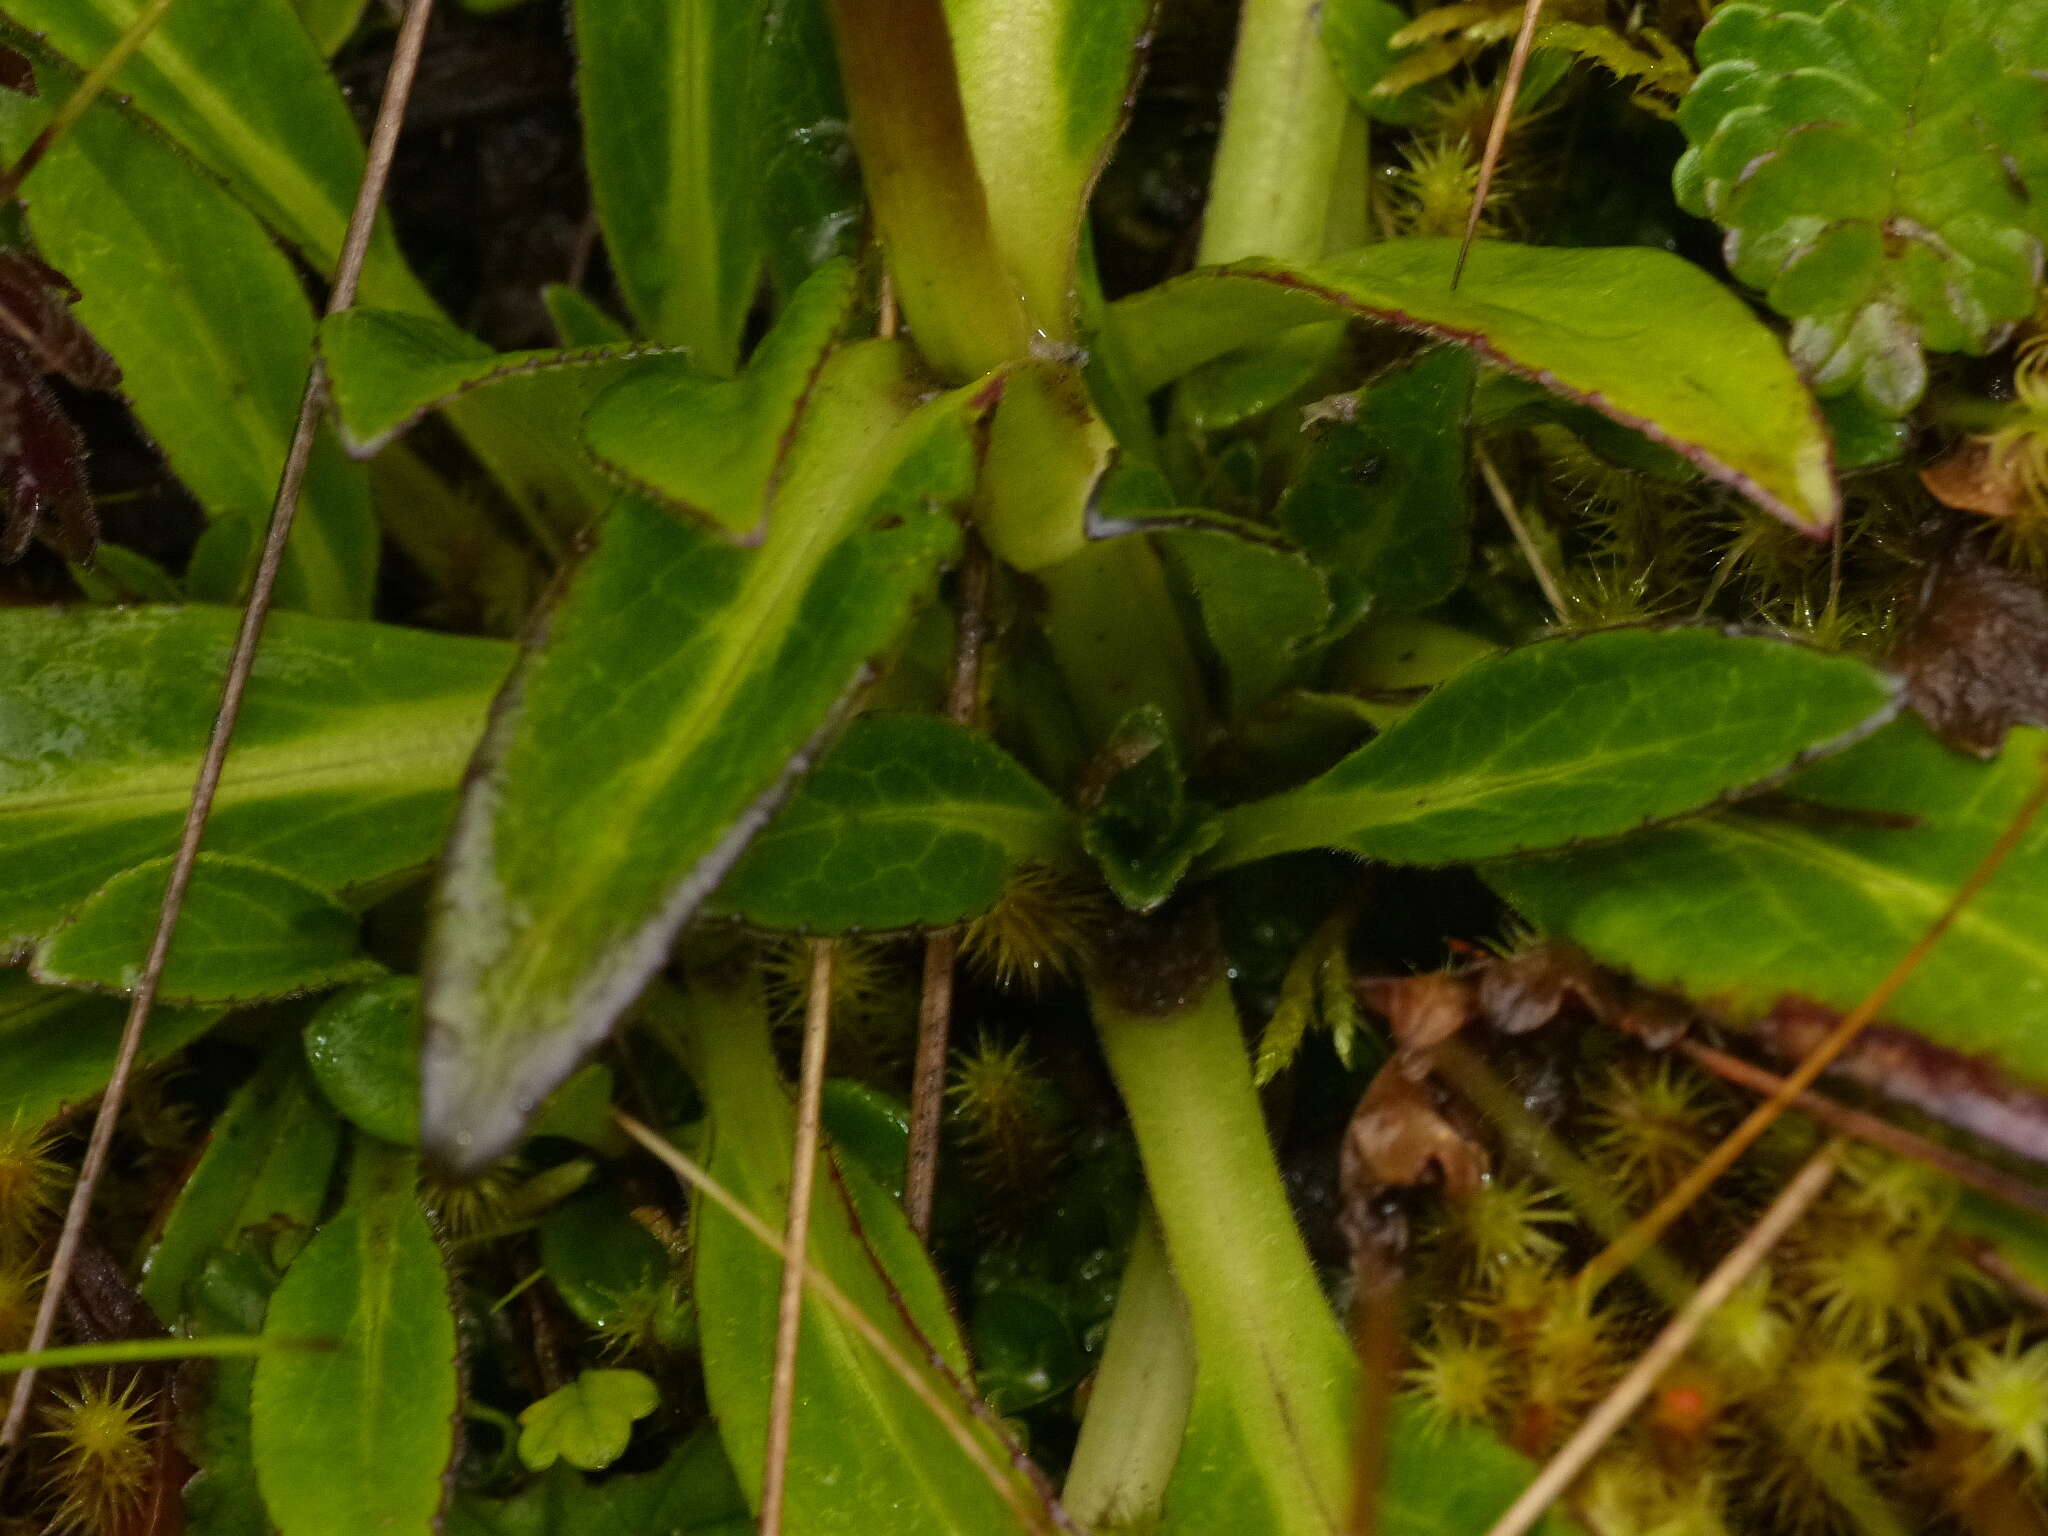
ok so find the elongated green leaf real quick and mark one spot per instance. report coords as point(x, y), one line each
point(909, 820)
point(57, 1048)
point(356, 1437)
point(249, 931)
point(330, 21)
point(351, 741)
point(1638, 334)
point(211, 328)
point(1751, 904)
point(680, 688)
point(270, 1154)
point(712, 448)
point(1268, 1440)
point(389, 370)
point(1045, 88)
point(665, 91)
point(1582, 737)
point(861, 1441)
point(1380, 503)
point(241, 86)
point(810, 206)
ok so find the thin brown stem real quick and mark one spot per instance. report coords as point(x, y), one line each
point(83, 95)
point(1624, 1251)
point(376, 170)
point(942, 949)
point(1497, 130)
point(796, 1237)
point(1877, 1131)
point(1628, 1394)
point(842, 1306)
point(1512, 516)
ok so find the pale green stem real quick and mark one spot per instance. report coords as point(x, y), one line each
point(1283, 139)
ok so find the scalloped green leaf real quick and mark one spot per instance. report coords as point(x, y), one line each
point(1045, 88)
point(713, 448)
point(1640, 335)
point(678, 691)
point(1580, 737)
point(587, 1422)
point(693, 1493)
point(248, 932)
point(356, 1435)
point(352, 739)
point(270, 1154)
point(909, 821)
point(389, 370)
point(1881, 174)
point(1820, 897)
point(1143, 828)
point(57, 1048)
point(210, 324)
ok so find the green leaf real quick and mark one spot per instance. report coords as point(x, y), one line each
point(331, 22)
point(1231, 389)
point(356, 1437)
point(807, 184)
point(909, 821)
point(1881, 174)
point(1047, 452)
point(1143, 828)
point(1359, 37)
point(693, 1493)
point(600, 1260)
point(666, 93)
point(1638, 334)
point(1580, 737)
point(681, 687)
point(248, 932)
point(1261, 605)
point(1752, 904)
point(240, 86)
point(212, 330)
point(1380, 503)
point(390, 370)
point(1025, 1350)
point(861, 1440)
point(343, 772)
point(270, 1154)
point(586, 1423)
point(57, 1048)
point(714, 448)
point(364, 1048)
point(1045, 88)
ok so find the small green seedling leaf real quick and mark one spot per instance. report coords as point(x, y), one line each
point(357, 1435)
point(1380, 503)
point(1820, 897)
point(713, 448)
point(1261, 606)
point(604, 1265)
point(1575, 738)
point(1639, 335)
point(364, 1048)
point(680, 689)
point(586, 1423)
point(210, 324)
point(352, 739)
point(57, 1048)
point(1143, 828)
point(248, 932)
point(270, 1155)
point(909, 820)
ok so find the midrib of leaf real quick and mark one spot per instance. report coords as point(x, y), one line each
point(1013, 826)
point(261, 772)
point(304, 200)
point(695, 273)
point(373, 1313)
point(769, 595)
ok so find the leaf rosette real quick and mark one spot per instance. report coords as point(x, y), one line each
point(1880, 173)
